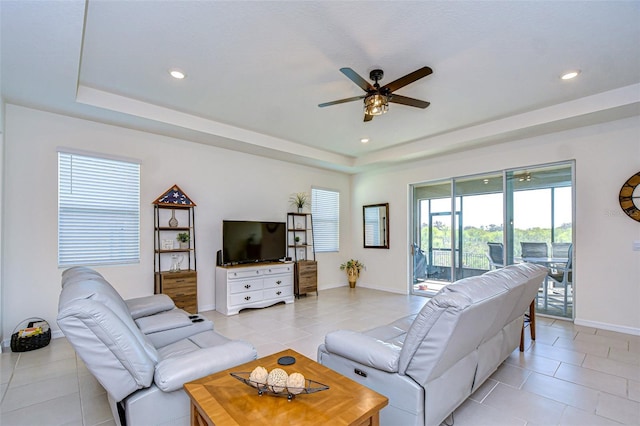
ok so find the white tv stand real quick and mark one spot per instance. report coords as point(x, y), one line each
point(253, 286)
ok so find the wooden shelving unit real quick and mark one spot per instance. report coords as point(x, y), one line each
point(300, 226)
point(174, 213)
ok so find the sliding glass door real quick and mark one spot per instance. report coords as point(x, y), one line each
point(540, 205)
point(486, 223)
point(432, 237)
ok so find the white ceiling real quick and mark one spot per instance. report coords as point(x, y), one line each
point(256, 71)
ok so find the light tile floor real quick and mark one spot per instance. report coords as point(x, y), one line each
point(571, 375)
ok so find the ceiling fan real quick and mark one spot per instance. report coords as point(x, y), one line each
point(376, 101)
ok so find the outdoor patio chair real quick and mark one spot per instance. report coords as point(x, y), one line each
point(421, 268)
point(496, 255)
point(563, 276)
point(560, 249)
point(534, 250)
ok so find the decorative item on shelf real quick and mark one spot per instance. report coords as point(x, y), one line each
point(176, 261)
point(173, 196)
point(353, 268)
point(299, 200)
point(296, 239)
point(173, 222)
point(167, 244)
point(183, 238)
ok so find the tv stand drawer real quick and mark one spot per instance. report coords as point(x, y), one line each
point(252, 286)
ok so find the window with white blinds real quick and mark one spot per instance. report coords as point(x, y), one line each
point(98, 211)
point(325, 207)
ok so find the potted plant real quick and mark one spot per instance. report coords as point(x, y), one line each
point(353, 268)
point(299, 200)
point(183, 238)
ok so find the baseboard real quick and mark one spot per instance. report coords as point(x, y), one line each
point(365, 285)
point(607, 326)
point(206, 308)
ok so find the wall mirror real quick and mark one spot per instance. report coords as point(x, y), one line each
point(376, 225)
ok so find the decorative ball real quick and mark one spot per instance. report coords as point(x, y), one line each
point(277, 379)
point(295, 383)
point(258, 376)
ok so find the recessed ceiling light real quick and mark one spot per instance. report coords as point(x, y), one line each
point(177, 74)
point(364, 140)
point(570, 74)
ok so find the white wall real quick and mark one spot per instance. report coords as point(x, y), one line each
point(1, 211)
point(607, 271)
point(232, 185)
point(224, 184)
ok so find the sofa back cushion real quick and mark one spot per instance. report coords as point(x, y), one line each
point(448, 328)
point(463, 315)
point(113, 354)
point(99, 290)
point(79, 273)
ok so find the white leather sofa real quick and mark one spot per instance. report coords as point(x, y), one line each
point(156, 315)
point(428, 364)
point(143, 373)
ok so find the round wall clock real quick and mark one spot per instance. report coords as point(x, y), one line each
point(630, 197)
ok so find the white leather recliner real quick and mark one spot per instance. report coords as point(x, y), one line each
point(143, 374)
point(428, 364)
point(156, 315)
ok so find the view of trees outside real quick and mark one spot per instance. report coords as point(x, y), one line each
point(482, 223)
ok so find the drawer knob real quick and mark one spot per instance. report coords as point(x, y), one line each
point(257, 272)
point(179, 281)
point(247, 286)
point(278, 282)
point(247, 297)
point(278, 293)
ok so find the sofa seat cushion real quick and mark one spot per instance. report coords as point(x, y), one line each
point(171, 326)
point(168, 320)
point(198, 356)
point(393, 333)
point(366, 350)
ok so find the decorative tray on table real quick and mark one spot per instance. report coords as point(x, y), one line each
point(311, 386)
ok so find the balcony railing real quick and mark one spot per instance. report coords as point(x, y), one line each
point(442, 258)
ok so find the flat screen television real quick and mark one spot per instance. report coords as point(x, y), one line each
point(251, 241)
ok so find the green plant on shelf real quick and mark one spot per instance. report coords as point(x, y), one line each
point(299, 200)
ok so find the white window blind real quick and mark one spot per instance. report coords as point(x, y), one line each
point(325, 207)
point(98, 211)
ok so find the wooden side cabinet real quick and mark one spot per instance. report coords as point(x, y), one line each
point(306, 277)
point(181, 286)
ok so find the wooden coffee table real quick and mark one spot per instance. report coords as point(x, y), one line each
point(220, 399)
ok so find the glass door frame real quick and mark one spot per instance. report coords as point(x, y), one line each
point(508, 234)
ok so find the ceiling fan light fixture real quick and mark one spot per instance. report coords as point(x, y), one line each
point(376, 104)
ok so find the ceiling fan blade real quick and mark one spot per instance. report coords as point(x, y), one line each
point(407, 79)
point(353, 76)
point(368, 117)
point(341, 101)
point(398, 99)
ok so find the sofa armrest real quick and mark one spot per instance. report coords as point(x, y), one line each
point(149, 305)
point(364, 349)
point(172, 373)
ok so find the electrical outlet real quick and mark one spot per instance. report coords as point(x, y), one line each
point(636, 245)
